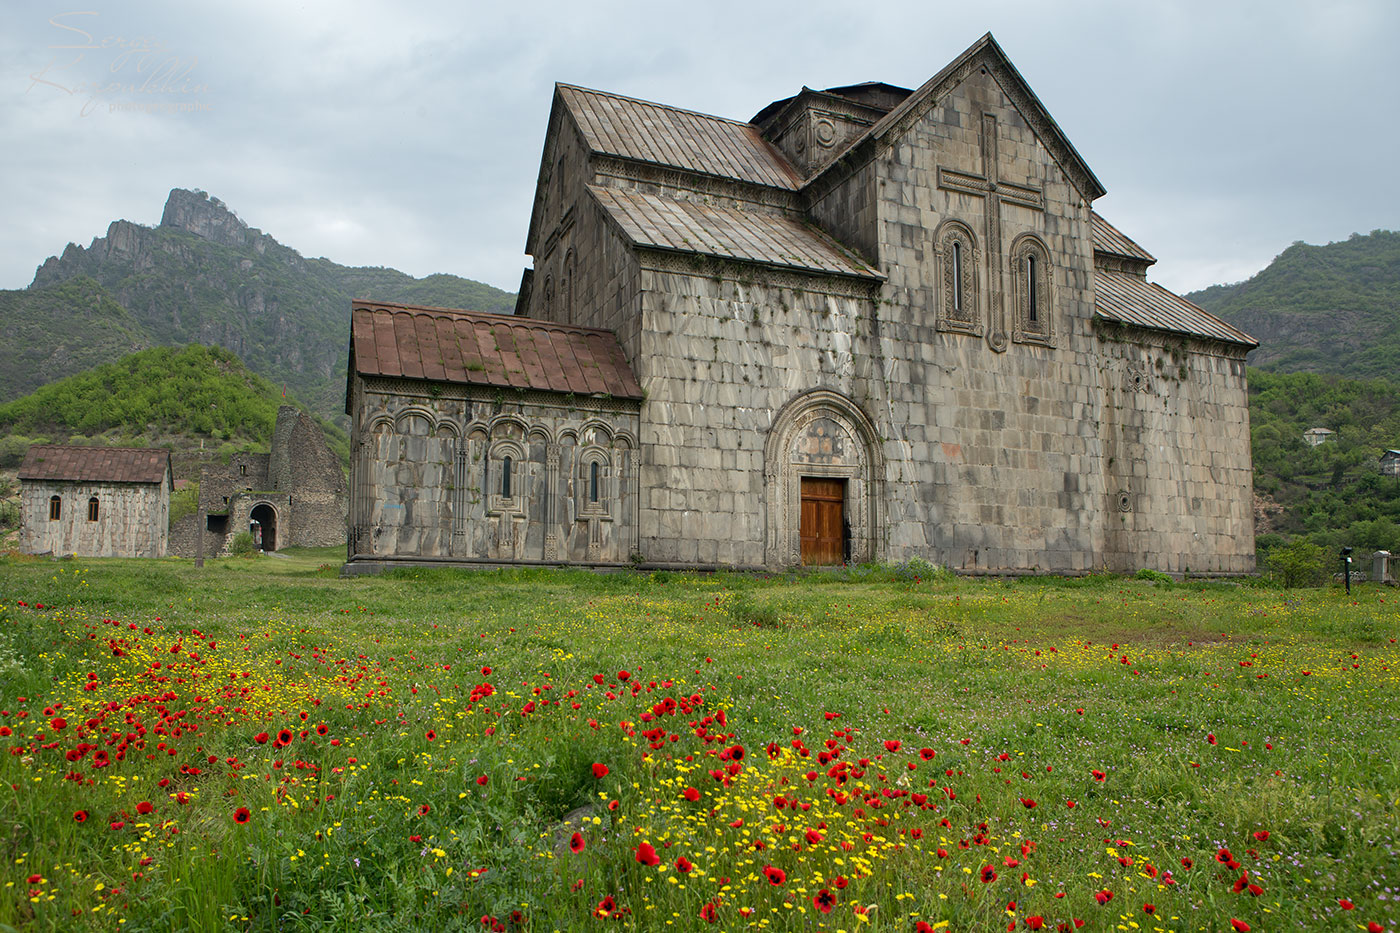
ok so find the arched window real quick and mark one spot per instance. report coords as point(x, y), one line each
point(956, 249)
point(1033, 290)
point(92, 509)
point(505, 477)
point(55, 508)
point(593, 481)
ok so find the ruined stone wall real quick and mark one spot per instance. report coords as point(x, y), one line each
point(429, 475)
point(132, 519)
point(1176, 440)
point(303, 467)
point(218, 482)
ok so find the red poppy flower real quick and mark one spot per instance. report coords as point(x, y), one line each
point(1035, 922)
point(708, 913)
point(1210, 737)
point(1028, 803)
point(576, 843)
point(989, 874)
point(1186, 863)
point(260, 738)
point(646, 854)
point(623, 675)
point(1104, 896)
point(600, 770)
point(1262, 835)
point(736, 753)
point(1345, 904)
point(1374, 927)
point(1149, 908)
point(775, 876)
point(684, 865)
point(486, 672)
point(241, 815)
point(482, 780)
point(144, 808)
point(80, 816)
point(927, 754)
point(691, 794)
point(424, 809)
point(118, 824)
point(322, 729)
point(824, 901)
point(285, 736)
point(892, 745)
point(1239, 925)
point(605, 909)
point(58, 723)
point(613, 804)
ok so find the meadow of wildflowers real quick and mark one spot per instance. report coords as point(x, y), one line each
point(261, 745)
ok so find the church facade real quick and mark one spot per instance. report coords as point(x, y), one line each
point(872, 323)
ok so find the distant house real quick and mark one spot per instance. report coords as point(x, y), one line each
point(1390, 463)
point(95, 501)
point(1315, 436)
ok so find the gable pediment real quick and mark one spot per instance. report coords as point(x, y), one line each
point(984, 56)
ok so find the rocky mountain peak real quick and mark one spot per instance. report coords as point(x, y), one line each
point(207, 218)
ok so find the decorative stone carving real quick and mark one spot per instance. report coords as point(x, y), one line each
point(822, 434)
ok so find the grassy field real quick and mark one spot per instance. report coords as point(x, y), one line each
point(261, 745)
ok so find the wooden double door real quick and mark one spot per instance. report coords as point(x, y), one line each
point(823, 521)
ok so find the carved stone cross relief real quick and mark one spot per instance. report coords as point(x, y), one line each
point(997, 191)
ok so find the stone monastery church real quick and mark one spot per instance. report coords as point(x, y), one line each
point(869, 324)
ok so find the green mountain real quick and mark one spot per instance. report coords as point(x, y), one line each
point(204, 276)
point(178, 397)
point(1325, 309)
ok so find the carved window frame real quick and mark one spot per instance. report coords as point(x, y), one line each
point(497, 503)
point(956, 247)
point(1029, 252)
point(584, 506)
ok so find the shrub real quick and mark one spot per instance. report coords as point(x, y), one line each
point(1155, 576)
point(1300, 563)
point(242, 545)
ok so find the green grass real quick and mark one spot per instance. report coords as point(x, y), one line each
point(1023, 691)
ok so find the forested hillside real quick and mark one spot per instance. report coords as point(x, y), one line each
point(1327, 309)
point(188, 398)
point(1333, 494)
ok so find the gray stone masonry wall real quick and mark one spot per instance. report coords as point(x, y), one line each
point(303, 467)
point(428, 474)
point(132, 519)
point(1175, 426)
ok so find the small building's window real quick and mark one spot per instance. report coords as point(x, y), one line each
point(92, 509)
point(593, 482)
point(55, 508)
point(1032, 303)
point(956, 249)
point(505, 478)
point(957, 278)
point(243, 469)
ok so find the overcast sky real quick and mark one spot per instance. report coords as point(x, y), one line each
point(409, 134)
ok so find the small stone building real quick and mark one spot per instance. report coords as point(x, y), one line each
point(95, 501)
point(870, 323)
point(1390, 463)
point(292, 496)
point(1315, 437)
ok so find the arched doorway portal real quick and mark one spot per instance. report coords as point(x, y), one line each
point(823, 473)
point(263, 520)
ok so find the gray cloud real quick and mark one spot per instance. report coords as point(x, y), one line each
point(409, 135)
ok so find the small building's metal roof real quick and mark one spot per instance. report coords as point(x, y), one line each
point(1109, 239)
point(1131, 299)
point(656, 222)
point(682, 139)
point(60, 463)
point(478, 348)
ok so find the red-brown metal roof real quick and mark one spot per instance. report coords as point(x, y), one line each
point(96, 464)
point(478, 348)
point(1131, 299)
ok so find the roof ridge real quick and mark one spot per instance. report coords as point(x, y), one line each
point(652, 103)
point(102, 447)
point(492, 317)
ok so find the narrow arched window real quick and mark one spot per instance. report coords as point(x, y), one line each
point(505, 478)
point(92, 509)
point(957, 278)
point(1032, 296)
point(55, 508)
point(593, 482)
